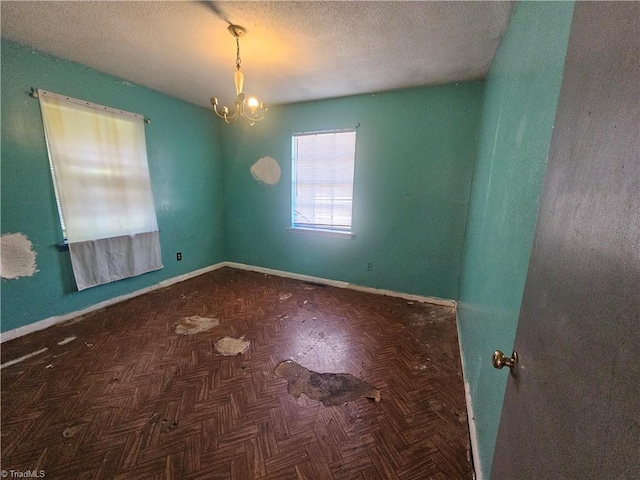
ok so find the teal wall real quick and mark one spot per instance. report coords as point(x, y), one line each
point(415, 151)
point(185, 165)
point(517, 121)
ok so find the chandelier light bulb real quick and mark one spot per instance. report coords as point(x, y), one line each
point(253, 103)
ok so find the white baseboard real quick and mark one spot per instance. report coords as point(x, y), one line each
point(477, 473)
point(471, 419)
point(50, 321)
point(340, 284)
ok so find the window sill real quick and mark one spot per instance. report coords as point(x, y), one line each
point(324, 233)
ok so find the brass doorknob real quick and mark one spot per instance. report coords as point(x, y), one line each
point(499, 360)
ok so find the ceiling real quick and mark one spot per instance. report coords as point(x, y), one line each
point(294, 51)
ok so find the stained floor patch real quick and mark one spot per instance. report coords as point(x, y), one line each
point(329, 388)
point(195, 324)
point(229, 346)
point(72, 429)
point(24, 357)
point(429, 317)
point(67, 340)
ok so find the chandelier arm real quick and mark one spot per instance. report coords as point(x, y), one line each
point(249, 118)
point(254, 117)
point(243, 114)
point(225, 115)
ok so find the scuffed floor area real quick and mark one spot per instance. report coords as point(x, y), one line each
point(329, 388)
point(121, 394)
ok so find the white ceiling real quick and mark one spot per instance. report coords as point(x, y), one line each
point(294, 51)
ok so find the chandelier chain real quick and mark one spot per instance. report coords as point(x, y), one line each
point(238, 61)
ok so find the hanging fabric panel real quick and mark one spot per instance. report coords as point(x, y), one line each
point(99, 165)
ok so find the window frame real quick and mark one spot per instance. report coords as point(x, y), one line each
point(300, 227)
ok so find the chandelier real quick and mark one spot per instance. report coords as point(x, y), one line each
point(249, 108)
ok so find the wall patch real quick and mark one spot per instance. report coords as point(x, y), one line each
point(266, 170)
point(18, 257)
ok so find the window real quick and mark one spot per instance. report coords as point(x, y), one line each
point(98, 161)
point(322, 181)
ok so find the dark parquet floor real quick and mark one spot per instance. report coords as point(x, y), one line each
point(131, 399)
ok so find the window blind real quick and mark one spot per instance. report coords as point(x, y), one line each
point(323, 172)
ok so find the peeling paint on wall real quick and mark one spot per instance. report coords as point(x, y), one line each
point(266, 170)
point(18, 257)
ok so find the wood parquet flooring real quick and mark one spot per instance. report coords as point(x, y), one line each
point(131, 399)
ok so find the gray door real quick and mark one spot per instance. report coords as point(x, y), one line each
point(572, 409)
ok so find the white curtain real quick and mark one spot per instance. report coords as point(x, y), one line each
point(99, 164)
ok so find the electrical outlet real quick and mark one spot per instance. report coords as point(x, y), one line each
point(179, 256)
point(369, 266)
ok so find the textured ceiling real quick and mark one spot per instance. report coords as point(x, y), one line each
point(294, 51)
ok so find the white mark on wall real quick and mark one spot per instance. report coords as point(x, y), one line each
point(18, 257)
point(266, 170)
